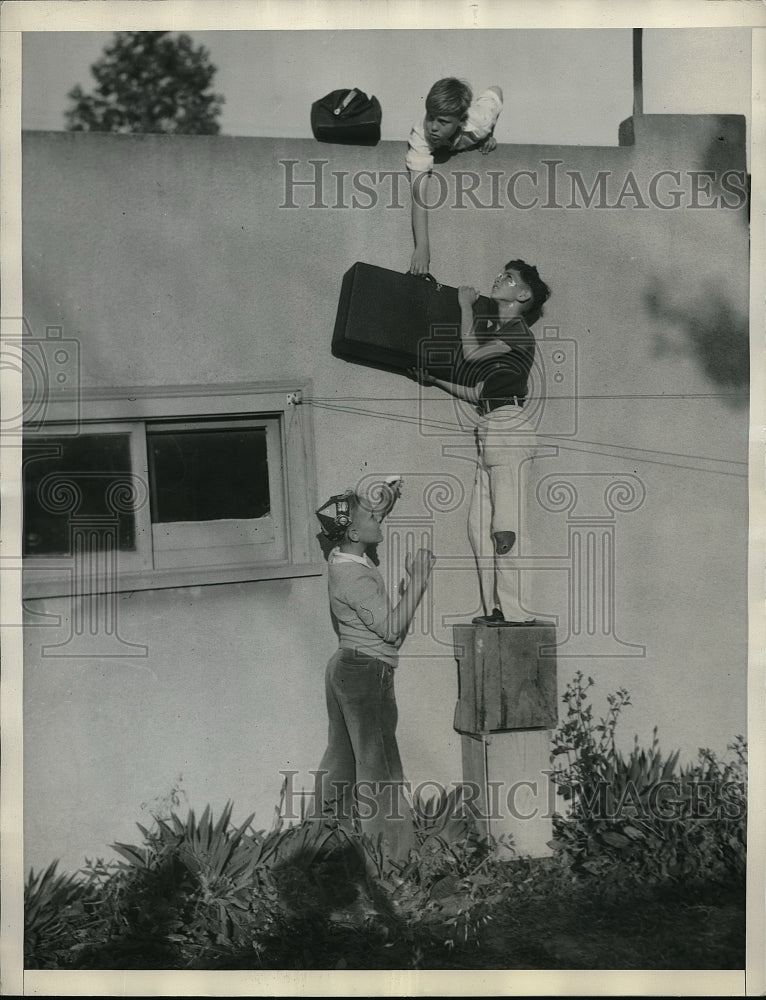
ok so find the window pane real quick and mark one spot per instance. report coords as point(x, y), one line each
point(76, 481)
point(209, 475)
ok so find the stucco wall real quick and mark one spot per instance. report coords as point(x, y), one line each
point(173, 260)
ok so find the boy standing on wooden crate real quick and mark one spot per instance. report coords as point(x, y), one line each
point(361, 767)
point(452, 123)
point(500, 363)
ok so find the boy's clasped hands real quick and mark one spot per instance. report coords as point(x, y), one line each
point(418, 568)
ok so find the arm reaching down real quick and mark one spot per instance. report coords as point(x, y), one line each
point(421, 255)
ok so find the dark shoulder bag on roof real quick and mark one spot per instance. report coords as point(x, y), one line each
point(347, 116)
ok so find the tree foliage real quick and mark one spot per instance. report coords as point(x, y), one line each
point(148, 81)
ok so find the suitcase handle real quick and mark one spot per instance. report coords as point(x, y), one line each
point(345, 102)
point(428, 277)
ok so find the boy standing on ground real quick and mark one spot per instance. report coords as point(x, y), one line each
point(361, 765)
point(451, 124)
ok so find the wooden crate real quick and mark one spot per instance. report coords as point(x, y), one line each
point(504, 683)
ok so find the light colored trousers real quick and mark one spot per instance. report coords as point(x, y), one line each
point(506, 443)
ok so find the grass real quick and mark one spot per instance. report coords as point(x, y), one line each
point(660, 928)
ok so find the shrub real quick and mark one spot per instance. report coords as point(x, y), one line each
point(642, 818)
point(60, 918)
point(193, 891)
point(454, 879)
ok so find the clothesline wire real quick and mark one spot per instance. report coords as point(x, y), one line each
point(637, 395)
point(569, 444)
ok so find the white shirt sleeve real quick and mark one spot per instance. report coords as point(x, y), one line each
point(482, 118)
point(419, 156)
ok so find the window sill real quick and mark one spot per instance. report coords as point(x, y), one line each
point(61, 584)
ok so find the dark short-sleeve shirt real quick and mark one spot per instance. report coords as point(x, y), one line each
point(506, 375)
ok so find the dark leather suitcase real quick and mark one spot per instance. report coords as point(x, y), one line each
point(394, 321)
point(348, 117)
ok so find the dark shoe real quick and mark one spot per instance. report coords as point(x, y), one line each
point(496, 618)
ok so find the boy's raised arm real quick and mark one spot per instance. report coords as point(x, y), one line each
point(466, 297)
point(375, 611)
point(391, 623)
point(472, 349)
point(418, 569)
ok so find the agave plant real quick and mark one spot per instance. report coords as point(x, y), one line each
point(212, 880)
point(59, 918)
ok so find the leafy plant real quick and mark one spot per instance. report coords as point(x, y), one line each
point(642, 817)
point(59, 915)
point(191, 891)
point(588, 745)
point(453, 879)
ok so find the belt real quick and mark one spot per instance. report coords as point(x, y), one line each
point(486, 406)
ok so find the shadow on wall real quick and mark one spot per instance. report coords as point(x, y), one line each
point(713, 332)
point(711, 329)
point(721, 161)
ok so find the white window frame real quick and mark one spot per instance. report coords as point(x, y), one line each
point(140, 409)
point(176, 544)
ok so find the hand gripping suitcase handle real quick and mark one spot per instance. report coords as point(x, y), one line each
point(429, 277)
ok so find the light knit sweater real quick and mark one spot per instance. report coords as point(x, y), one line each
point(360, 605)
